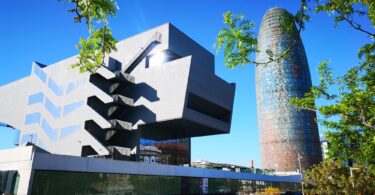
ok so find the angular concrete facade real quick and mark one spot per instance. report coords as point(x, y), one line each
point(159, 85)
point(284, 131)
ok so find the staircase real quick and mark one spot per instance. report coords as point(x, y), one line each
point(120, 139)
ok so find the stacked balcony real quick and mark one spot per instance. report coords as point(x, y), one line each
point(119, 137)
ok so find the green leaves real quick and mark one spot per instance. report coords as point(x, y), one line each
point(348, 11)
point(348, 111)
point(100, 41)
point(237, 39)
point(93, 10)
point(240, 42)
point(287, 24)
point(349, 115)
point(333, 177)
point(93, 50)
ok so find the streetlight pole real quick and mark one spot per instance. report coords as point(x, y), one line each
point(351, 174)
point(300, 170)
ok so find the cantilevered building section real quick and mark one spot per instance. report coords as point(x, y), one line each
point(160, 85)
point(284, 131)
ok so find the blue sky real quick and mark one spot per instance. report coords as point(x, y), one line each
point(44, 31)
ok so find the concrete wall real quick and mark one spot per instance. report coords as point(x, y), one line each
point(50, 106)
point(21, 160)
point(27, 159)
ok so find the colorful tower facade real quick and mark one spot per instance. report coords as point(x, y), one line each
point(284, 131)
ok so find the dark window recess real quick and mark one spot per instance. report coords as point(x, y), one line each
point(88, 151)
point(206, 107)
point(114, 65)
point(9, 182)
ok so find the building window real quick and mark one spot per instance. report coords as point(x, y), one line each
point(36, 98)
point(32, 118)
point(57, 89)
point(66, 131)
point(161, 57)
point(172, 152)
point(72, 107)
point(208, 108)
point(55, 111)
point(9, 182)
point(51, 132)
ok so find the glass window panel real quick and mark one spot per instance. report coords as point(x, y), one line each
point(70, 87)
point(39, 73)
point(74, 85)
point(9, 182)
point(32, 118)
point(172, 152)
point(69, 130)
point(52, 109)
point(58, 90)
point(51, 132)
point(65, 182)
point(32, 138)
point(36, 98)
point(71, 107)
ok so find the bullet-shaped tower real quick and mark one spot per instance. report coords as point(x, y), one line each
point(284, 131)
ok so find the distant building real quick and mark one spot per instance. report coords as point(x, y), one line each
point(220, 166)
point(172, 152)
point(284, 131)
point(230, 167)
point(324, 145)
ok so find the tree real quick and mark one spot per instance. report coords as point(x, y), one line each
point(348, 112)
point(333, 177)
point(100, 42)
point(240, 42)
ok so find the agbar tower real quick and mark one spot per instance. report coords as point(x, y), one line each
point(284, 131)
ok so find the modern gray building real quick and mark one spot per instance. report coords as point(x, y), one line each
point(159, 85)
point(83, 131)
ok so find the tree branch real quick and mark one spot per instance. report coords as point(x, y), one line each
point(363, 120)
point(354, 24)
point(295, 40)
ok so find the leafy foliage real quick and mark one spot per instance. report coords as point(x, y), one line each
point(240, 42)
point(271, 191)
point(349, 115)
point(347, 10)
point(100, 40)
point(333, 177)
point(93, 50)
point(93, 10)
point(348, 111)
